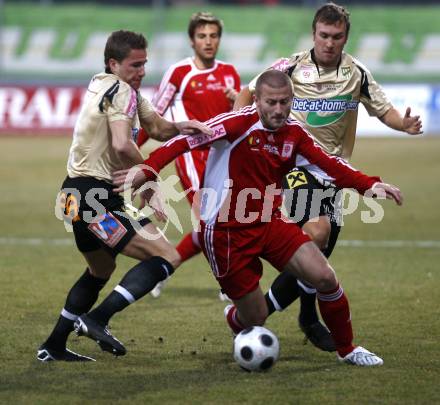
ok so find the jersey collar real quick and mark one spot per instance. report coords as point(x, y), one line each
point(312, 56)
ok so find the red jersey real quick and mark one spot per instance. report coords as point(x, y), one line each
point(190, 93)
point(185, 93)
point(246, 164)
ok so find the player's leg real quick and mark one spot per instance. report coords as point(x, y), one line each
point(84, 292)
point(307, 203)
point(189, 173)
point(80, 299)
point(233, 256)
point(190, 167)
point(158, 259)
point(249, 310)
point(309, 264)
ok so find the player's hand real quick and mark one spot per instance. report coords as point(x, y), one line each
point(193, 127)
point(389, 191)
point(411, 125)
point(154, 199)
point(126, 179)
point(230, 93)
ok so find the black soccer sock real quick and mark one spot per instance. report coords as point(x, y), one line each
point(307, 314)
point(138, 281)
point(283, 291)
point(80, 299)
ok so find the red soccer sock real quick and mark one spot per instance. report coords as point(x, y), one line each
point(232, 319)
point(335, 312)
point(188, 247)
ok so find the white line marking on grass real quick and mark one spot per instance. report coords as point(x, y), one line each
point(423, 244)
point(36, 241)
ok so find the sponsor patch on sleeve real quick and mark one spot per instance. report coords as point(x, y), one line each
point(281, 64)
point(163, 99)
point(197, 140)
point(132, 104)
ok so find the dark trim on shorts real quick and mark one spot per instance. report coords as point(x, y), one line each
point(98, 216)
point(299, 187)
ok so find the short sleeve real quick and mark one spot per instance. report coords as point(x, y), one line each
point(372, 95)
point(123, 105)
point(145, 108)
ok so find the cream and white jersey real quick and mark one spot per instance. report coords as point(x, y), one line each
point(108, 99)
point(326, 100)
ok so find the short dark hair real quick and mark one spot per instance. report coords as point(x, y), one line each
point(203, 18)
point(120, 43)
point(272, 78)
point(332, 13)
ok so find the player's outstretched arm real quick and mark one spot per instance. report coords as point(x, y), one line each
point(162, 130)
point(389, 191)
point(408, 123)
point(192, 127)
point(132, 178)
point(243, 99)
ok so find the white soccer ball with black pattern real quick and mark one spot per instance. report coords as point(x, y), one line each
point(256, 349)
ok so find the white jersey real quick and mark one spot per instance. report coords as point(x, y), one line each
point(326, 100)
point(108, 99)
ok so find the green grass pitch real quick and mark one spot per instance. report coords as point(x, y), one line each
point(179, 348)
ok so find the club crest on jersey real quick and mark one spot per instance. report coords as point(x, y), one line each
point(346, 71)
point(307, 74)
point(287, 150)
point(229, 81)
point(108, 229)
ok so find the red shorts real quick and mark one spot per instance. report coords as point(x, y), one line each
point(234, 253)
point(190, 167)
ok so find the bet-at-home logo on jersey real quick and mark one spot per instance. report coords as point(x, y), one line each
point(324, 111)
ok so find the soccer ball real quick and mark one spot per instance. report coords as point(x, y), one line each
point(256, 349)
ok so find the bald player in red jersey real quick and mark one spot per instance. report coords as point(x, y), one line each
point(251, 152)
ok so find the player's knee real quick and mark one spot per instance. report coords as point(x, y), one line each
point(326, 280)
point(171, 255)
point(102, 268)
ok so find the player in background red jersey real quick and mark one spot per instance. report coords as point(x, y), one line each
point(198, 87)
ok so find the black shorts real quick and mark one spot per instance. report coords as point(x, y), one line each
point(98, 215)
point(306, 198)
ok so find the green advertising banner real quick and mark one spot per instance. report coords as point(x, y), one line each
point(66, 42)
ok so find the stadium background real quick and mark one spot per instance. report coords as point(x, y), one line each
point(49, 50)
